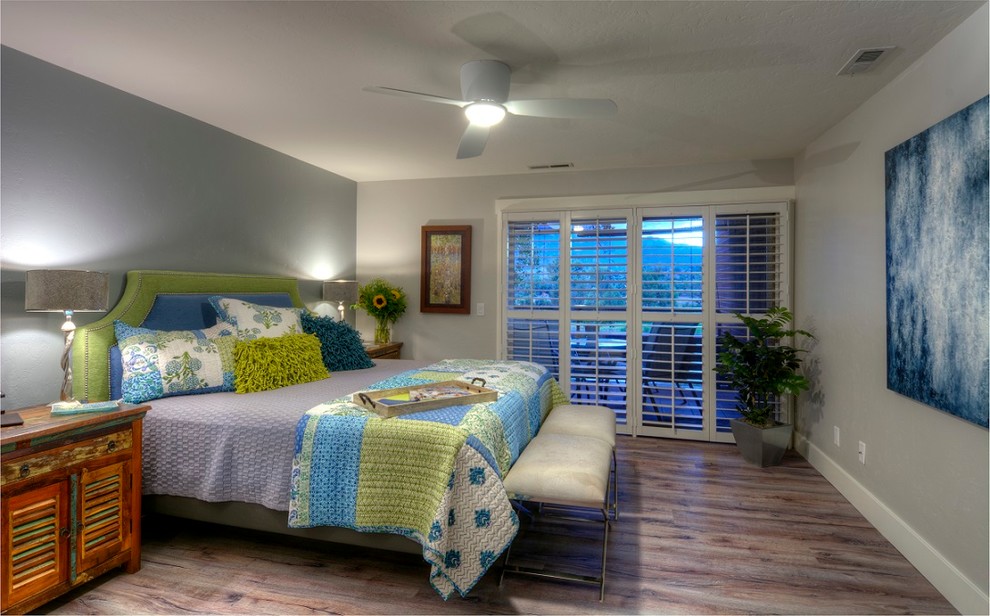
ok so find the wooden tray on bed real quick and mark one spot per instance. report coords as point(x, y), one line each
point(417, 398)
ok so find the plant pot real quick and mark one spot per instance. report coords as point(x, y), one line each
point(761, 446)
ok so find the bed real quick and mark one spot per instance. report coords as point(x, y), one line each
point(305, 460)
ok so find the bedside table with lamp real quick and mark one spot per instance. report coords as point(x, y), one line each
point(70, 473)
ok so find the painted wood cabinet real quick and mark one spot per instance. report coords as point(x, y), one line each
point(71, 501)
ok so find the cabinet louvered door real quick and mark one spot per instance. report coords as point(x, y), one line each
point(35, 548)
point(103, 527)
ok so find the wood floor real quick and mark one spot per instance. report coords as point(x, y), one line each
point(699, 532)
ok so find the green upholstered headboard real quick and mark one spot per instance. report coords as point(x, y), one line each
point(91, 347)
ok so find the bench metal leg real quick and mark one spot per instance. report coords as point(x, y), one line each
point(600, 580)
point(615, 486)
point(601, 594)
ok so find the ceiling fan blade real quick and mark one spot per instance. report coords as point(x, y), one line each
point(473, 141)
point(562, 107)
point(430, 98)
point(486, 80)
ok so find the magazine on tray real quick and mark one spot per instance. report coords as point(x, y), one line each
point(438, 392)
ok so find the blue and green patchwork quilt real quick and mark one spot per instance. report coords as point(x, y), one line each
point(433, 476)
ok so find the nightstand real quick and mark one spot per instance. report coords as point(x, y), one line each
point(389, 350)
point(71, 501)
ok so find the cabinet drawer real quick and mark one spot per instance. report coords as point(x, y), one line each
point(63, 457)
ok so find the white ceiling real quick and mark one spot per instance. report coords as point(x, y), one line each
point(694, 81)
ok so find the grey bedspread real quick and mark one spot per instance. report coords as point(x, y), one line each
point(238, 447)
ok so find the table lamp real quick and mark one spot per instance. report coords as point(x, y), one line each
point(66, 291)
point(344, 292)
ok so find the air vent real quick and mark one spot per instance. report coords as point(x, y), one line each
point(864, 60)
point(551, 166)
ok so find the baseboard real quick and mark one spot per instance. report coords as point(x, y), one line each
point(960, 591)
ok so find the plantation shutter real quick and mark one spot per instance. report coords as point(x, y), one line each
point(624, 305)
point(748, 262)
point(532, 292)
point(673, 278)
point(749, 279)
point(599, 258)
point(533, 260)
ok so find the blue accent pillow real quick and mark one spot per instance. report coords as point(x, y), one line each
point(340, 344)
point(175, 311)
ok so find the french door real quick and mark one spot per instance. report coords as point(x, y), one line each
point(625, 306)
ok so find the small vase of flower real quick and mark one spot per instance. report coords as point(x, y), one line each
point(383, 331)
point(385, 303)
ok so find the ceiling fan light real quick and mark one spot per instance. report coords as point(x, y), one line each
point(484, 114)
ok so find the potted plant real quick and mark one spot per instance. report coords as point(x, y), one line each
point(761, 368)
point(384, 302)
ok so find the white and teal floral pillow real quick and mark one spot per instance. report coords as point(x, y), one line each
point(158, 364)
point(256, 321)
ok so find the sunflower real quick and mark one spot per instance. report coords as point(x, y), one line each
point(381, 300)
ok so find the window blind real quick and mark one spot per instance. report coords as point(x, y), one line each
point(533, 265)
point(599, 261)
point(748, 262)
point(673, 373)
point(672, 259)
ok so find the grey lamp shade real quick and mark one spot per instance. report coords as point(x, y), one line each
point(59, 290)
point(341, 291)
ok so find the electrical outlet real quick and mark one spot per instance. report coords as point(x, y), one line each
point(835, 435)
point(862, 452)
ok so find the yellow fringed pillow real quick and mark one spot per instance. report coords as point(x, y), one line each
point(271, 363)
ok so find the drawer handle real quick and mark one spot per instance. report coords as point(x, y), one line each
point(25, 470)
point(112, 446)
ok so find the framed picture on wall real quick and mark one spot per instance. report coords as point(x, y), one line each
point(445, 285)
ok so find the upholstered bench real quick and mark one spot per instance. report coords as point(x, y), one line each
point(567, 471)
point(587, 420)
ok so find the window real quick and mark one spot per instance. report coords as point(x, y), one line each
point(625, 306)
point(533, 263)
point(599, 259)
point(672, 264)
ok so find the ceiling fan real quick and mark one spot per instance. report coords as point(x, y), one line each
point(485, 93)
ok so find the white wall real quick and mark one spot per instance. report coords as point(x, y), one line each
point(390, 215)
point(925, 482)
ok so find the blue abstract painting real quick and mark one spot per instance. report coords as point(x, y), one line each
point(938, 216)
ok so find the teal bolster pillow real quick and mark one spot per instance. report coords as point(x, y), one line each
point(271, 363)
point(340, 344)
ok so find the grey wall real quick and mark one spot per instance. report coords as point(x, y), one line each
point(94, 178)
point(925, 481)
point(390, 215)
